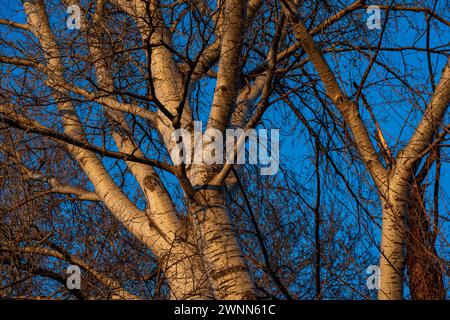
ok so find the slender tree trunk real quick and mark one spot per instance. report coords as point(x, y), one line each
point(394, 205)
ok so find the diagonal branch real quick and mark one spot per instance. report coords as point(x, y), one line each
point(348, 109)
point(432, 117)
point(21, 122)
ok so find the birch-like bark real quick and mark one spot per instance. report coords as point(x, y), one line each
point(394, 205)
point(117, 202)
point(228, 76)
point(221, 254)
point(396, 196)
point(218, 243)
point(217, 240)
point(394, 186)
point(184, 261)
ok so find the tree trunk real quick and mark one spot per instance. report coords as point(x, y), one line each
point(392, 240)
point(223, 258)
point(226, 267)
point(405, 222)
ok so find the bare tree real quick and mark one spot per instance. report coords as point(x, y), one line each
point(89, 118)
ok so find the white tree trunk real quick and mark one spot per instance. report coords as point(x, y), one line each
point(228, 273)
point(392, 241)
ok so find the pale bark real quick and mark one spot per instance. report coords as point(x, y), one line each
point(224, 261)
point(211, 54)
point(228, 76)
point(394, 205)
point(348, 109)
point(160, 209)
point(117, 202)
point(200, 254)
point(222, 256)
point(394, 186)
point(399, 190)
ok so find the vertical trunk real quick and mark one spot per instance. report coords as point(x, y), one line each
point(405, 222)
point(392, 240)
point(424, 273)
point(226, 268)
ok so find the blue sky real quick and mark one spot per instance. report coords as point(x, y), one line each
point(390, 102)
